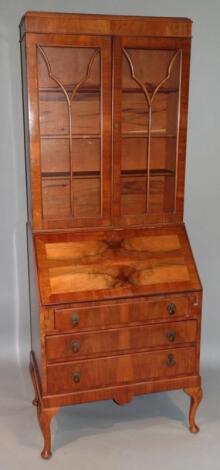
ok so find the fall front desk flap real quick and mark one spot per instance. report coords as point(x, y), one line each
point(107, 264)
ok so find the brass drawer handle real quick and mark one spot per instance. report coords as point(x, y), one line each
point(75, 319)
point(171, 308)
point(75, 345)
point(170, 360)
point(171, 336)
point(76, 377)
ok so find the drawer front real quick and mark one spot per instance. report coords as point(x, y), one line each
point(72, 346)
point(122, 313)
point(119, 370)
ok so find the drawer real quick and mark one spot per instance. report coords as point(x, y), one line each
point(119, 370)
point(72, 346)
point(108, 315)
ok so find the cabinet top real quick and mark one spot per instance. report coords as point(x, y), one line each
point(75, 23)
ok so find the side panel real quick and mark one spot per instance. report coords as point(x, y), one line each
point(34, 303)
point(26, 126)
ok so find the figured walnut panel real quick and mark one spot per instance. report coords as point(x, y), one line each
point(92, 264)
point(80, 279)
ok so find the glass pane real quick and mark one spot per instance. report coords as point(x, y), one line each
point(86, 197)
point(134, 113)
point(133, 195)
point(54, 115)
point(56, 197)
point(55, 155)
point(69, 80)
point(150, 107)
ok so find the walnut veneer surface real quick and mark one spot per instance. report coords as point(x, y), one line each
point(114, 291)
point(114, 264)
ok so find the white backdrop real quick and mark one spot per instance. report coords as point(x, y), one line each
point(203, 159)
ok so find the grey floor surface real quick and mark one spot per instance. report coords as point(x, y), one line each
point(149, 433)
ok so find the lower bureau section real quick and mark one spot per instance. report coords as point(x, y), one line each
point(119, 370)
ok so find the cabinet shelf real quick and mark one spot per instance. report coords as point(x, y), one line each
point(150, 89)
point(125, 135)
point(74, 136)
point(66, 174)
point(94, 89)
point(69, 89)
point(141, 135)
point(97, 174)
point(153, 172)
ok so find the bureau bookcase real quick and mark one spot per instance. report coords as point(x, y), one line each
point(115, 296)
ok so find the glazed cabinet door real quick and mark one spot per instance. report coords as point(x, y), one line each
point(150, 116)
point(69, 99)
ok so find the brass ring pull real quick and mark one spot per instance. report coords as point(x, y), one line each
point(171, 336)
point(76, 377)
point(171, 308)
point(75, 320)
point(75, 345)
point(170, 360)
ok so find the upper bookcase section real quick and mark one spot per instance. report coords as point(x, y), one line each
point(105, 102)
point(46, 22)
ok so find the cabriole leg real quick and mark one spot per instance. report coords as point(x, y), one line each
point(195, 394)
point(45, 416)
